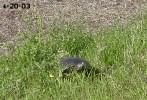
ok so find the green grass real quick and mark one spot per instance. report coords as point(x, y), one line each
point(120, 52)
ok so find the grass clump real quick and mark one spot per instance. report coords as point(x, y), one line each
point(120, 52)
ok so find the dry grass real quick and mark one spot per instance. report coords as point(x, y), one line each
point(93, 14)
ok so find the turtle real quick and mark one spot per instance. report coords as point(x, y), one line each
point(70, 64)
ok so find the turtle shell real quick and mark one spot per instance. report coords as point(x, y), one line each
point(73, 63)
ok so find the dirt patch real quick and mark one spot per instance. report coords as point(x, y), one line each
point(93, 14)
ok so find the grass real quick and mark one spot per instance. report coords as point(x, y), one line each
point(120, 52)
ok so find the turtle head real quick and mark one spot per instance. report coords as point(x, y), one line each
point(80, 66)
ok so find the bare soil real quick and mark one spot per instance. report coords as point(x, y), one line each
point(93, 14)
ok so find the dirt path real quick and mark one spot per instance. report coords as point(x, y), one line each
point(94, 14)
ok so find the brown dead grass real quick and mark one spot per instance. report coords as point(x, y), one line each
point(93, 14)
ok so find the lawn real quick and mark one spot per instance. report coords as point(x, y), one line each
point(31, 71)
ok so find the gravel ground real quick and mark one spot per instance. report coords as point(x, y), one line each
point(93, 14)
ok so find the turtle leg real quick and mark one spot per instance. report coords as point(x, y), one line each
point(64, 72)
